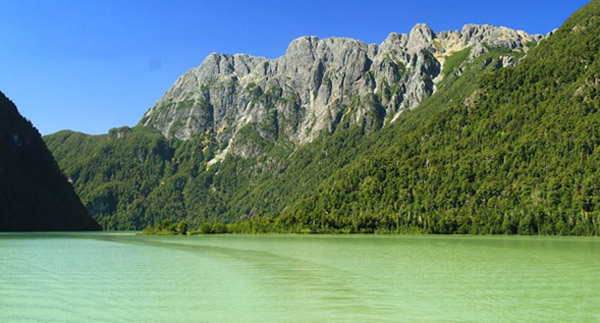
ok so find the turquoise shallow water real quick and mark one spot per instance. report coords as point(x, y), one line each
point(75, 277)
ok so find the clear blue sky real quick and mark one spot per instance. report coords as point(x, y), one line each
point(90, 65)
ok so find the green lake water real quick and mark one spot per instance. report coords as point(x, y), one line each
point(80, 277)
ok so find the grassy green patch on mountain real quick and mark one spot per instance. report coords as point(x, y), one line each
point(453, 62)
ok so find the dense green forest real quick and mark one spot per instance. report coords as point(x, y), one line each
point(493, 151)
point(34, 194)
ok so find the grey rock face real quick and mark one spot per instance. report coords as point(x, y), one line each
point(317, 85)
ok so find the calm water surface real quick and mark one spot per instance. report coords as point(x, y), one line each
point(106, 277)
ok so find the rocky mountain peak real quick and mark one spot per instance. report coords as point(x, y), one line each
point(421, 36)
point(216, 65)
point(473, 35)
point(302, 46)
point(317, 84)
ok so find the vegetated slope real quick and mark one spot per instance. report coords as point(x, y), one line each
point(34, 194)
point(134, 177)
point(242, 136)
point(519, 155)
point(114, 173)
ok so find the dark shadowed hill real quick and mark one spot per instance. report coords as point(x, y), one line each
point(34, 194)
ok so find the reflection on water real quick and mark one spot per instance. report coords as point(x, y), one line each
point(121, 277)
